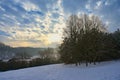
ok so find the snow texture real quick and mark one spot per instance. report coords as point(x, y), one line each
point(103, 71)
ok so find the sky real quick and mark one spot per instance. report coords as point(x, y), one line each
point(40, 23)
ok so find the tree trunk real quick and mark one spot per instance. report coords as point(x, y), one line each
point(86, 64)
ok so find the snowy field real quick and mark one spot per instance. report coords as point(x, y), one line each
point(104, 71)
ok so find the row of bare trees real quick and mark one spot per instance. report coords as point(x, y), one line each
point(86, 40)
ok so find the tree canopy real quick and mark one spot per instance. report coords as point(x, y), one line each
point(86, 40)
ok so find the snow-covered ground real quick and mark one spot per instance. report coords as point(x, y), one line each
point(104, 71)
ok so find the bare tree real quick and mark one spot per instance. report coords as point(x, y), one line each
point(47, 53)
point(22, 55)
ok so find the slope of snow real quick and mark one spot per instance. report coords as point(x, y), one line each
point(103, 71)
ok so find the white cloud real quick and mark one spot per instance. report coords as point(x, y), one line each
point(87, 6)
point(38, 19)
point(56, 36)
point(13, 8)
point(28, 6)
point(107, 2)
point(107, 23)
point(1, 8)
point(47, 20)
point(98, 5)
point(9, 16)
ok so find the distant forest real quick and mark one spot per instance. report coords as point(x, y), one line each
point(23, 57)
point(8, 52)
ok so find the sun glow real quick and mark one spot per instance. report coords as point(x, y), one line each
point(53, 38)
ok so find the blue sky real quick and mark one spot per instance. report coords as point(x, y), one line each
point(39, 23)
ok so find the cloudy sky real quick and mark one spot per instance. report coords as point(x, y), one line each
point(39, 23)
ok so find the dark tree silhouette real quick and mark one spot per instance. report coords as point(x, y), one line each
point(86, 40)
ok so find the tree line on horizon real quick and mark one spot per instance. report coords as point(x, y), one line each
point(86, 40)
point(24, 60)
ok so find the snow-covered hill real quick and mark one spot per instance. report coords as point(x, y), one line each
point(103, 71)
